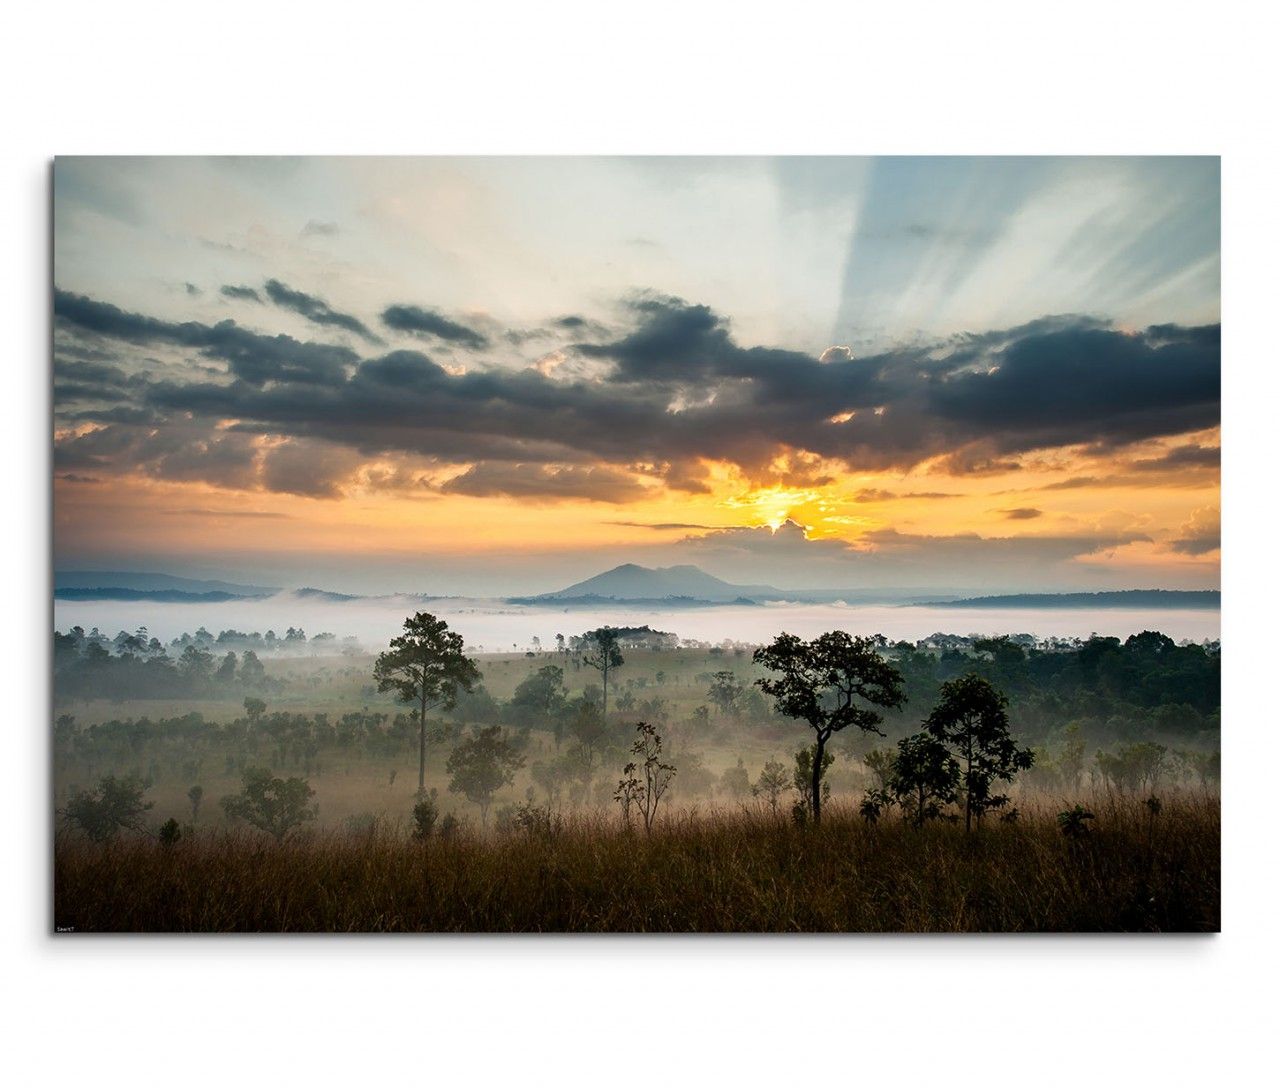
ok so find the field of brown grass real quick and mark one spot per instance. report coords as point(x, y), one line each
point(700, 871)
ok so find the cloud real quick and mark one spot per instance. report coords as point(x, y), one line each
point(196, 512)
point(248, 294)
point(676, 393)
point(876, 494)
point(252, 357)
point(419, 322)
point(315, 470)
point(663, 525)
point(316, 310)
point(1022, 513)
point(1201, 534)
point(317, 228)
point(546, 483)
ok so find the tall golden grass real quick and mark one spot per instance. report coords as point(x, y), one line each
point(700, 871)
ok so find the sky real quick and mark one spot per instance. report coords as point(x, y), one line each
point(501, 376)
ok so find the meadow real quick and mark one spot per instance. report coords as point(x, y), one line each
point(701, 870)
point(1126, 732)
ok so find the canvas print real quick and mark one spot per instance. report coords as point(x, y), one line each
point(633, 545)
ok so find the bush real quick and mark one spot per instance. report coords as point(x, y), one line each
point(115, 804)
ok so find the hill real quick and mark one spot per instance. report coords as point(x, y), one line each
point(631, 582)
point(114, 585)
point(1124, 598)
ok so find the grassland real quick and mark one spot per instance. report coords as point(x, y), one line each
point(743, 870)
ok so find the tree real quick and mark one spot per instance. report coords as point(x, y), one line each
point(725, 691)
point(604, 657)
point(482, 764)
point(923, 777)
point(271, 804)
point(832, 683)
point(735, 781)
point(113, 805)
point(803, 778)
point(195, 795)
point(425, 665)
point(541, 694)
point(646, 778)
point(773, 782)
point(254, 708)
point(972, 720)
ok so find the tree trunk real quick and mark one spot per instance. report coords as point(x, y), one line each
point(968, 785)
point(817, 778)
point(422, 742)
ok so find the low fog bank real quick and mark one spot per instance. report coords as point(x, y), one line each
point(494, 626)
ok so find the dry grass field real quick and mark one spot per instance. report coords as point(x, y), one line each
point(700, 871)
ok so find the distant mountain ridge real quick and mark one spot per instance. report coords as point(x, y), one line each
point(632, 582)
point(84, 585)
point(1120, 598)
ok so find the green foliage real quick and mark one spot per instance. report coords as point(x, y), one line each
point(604, 656)
point(1074, 822)
point(271, 804)
point(772, 783)
point(482, 764)
point(1132, 766)
point(725, 691)
point(832, 682)
point(803, 777)
point(425, 665)
point(425, 814)
point(541, 695)
point(924, 778)
point(114, 805)
point(971, 719)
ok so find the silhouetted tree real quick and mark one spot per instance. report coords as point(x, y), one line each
point(922, 777)
point(725, 691)
point(604, 656)
point(115, 804)
point(425, 665)
point(195, 795)
point(271, 804)
point(832, 683)
point(541, 694)
point(773, 782)
point(972, 720)
point(645, 779)
point(482, 764)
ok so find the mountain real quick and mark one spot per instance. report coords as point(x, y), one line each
point(1123, 598)
point(84, 585)
point(631, 582)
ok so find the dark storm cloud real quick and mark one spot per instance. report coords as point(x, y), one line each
point(252, 357)
point(248, 294)
point(1082, 385)
point(678, 389)
point(316, 310)
point(546, 482)
point(420, 322)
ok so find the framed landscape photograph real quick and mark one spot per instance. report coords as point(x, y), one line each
point(635, 544)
